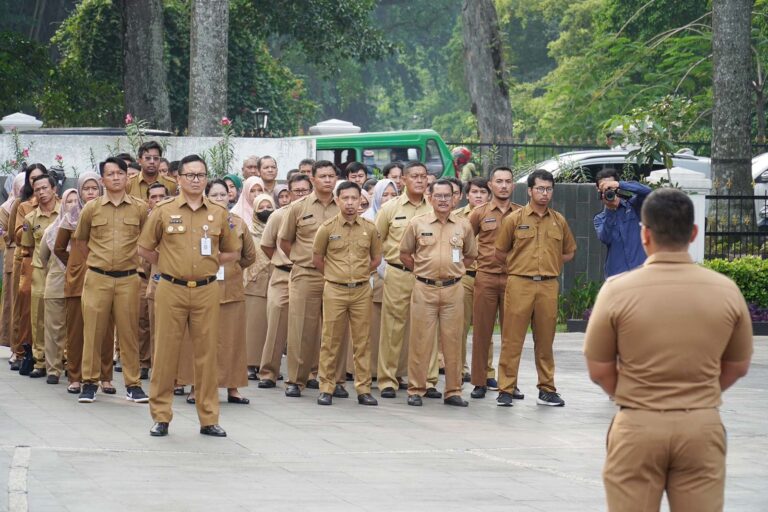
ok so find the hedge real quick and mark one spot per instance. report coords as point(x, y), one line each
point(750, 273)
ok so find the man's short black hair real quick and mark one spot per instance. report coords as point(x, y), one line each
point(150, 145)
point(192, 158)
point(541, 174)
point(391, 165)
point(113, 160)
point(441, 181)
point(455, 181)
point(478, 182)
point(174, 166)
point(413, 164)
point(344, 185)
point(370, 183)
point(297, 178)
point(155, 185)
point(307, 161)
point(125, 156)
point(609, 172)
point(134, 165)
point(500, 168)
point(50, 179)
point(265, 157)
point(291, 173)
point(355, 167)
point(668, 213)
point(320, 164)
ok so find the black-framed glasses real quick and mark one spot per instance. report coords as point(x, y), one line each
point(193, 176)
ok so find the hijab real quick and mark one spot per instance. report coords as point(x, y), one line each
point(18, 183)
point(257, 227)
point(375, 201)
point(242, 208)
point(69, 220)
point(276, 193)
point(52, 230)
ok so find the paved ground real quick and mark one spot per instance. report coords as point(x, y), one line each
point(290, 454)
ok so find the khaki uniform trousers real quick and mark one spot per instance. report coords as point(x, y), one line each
point(528, 302)
point(195, 309)
point(185, 368)
point(468, 283)
point(110, 301)
point(145, 339)
point(74, 324)
point(488, 300)
point(6, 323)
point(378, 290)
point(256, 322)
point(305, 302)
point(15, 313)
point(681, 452)
point(232, 370)
point(436, 313)
point(55, 335)
point(395, 310)
point(37, 316)
point(22, 306)
point(345, 309)
point(277, 325)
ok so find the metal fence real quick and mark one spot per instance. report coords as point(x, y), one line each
point(736, 226)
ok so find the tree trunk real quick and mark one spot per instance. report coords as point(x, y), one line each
point(732, 65)
point(145, 79)
point(208, 66)
point(487, 76)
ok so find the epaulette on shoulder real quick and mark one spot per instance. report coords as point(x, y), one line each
point(217, 205)
point(328, 222)
point(165, 201)
point(369, 221)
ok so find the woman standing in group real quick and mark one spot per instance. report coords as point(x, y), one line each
point(6, 332)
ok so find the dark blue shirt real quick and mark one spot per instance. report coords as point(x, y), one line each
point(619, 230)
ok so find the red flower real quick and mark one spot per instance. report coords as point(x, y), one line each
point(13, 163)
point(25, 152)
point(225, 121)
point(59, 158)
point(128, 118)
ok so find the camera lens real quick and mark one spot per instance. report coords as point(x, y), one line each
point(609, 195)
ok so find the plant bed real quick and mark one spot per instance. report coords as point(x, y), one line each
point(758, 328)
point(576, 325)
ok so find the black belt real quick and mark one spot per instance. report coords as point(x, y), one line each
point(349, 285)
point(142, 275)
point(188, 284)
point(397, 265)
point(536, 278)
point(114, 273)
point(471, 273)
point(284, 268)
point(445, 282)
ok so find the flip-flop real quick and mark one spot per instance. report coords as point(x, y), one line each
point(73, 389)
point(108, 390)
point(179, 391)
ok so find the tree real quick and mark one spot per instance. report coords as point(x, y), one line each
point(208, 66)
point(485, 72)
point(732, 65)
point(145, 79)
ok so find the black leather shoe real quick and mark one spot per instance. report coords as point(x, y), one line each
point(414, 400)
point(213, 430)
point(456, 401)
point(266, 384)
point(37, 373)
point(252, 375)
point(117, 366)
point(366, 399)
point(237, 400)
point(52, 379)
point(402, 385)
point(388, 393)
point(144, 375)
point(433, 393)
point(349, 377)
point(292, 390)
point(325, 399)
point(340, 392)
point(517, 394)
point(466, 378)
point(159, 429)
point(478, 392)
point(313, 384)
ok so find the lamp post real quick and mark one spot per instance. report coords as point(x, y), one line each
point(261, 120)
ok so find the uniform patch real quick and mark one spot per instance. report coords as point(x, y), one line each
point(524, 226)
point(308, 216)
point(334, 237)
point(490, 219)
point(425, 234)
point(401, 218)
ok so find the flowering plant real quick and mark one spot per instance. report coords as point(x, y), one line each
point(220, 156)
point(20, 155)
point(135, 129)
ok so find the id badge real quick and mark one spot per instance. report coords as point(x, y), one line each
point(456, 255)
point(220, 274)
point(205, 246)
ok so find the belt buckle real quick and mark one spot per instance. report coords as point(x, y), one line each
point(351, 285)
point(439, 283)
point(191, 284)
point(536, 278)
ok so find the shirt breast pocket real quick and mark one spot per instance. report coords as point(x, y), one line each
point(363, 247)
point(555, 233)
point(131, 225)
point(427, 241)
point(306, 224)
point(99, 225)
point(214, 233)
point(397, 227)
point(524, 234)
point(488, 226)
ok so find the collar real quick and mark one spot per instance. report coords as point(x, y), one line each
point(56, 209)
point(669, 257)
point(403, 199)
point(528, 211)
point(126, 199)
point(345, 221)
point(431, 218)
point(182, 200)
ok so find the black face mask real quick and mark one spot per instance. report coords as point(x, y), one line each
point(264, 215)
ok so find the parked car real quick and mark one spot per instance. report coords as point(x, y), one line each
point(583, 166)
point(760, 177)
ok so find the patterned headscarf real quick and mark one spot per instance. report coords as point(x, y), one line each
point(52, 231)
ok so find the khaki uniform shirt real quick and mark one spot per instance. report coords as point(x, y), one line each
point(348, 248)
point(112, 232)
point(232, 288)
point(138, 186)
point(535, 245)
point(175, 230)
point(3, 227)
point(433, 246)
point(301, 222)
point(486, 220)
point(55, 272)
point(22, 210)
point(669, 323)
point(463, 213)
point(269, 237)
point(35, 224)
point(256, 276)
point(391, 221)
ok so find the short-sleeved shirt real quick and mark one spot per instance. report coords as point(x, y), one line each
point(35, 224)
point(535, 244)
point(391, 221)
point(138, 186)
point(175, 230)
point(348, 248)
point(669, 324)
point(486, 222)
point(112, 232)
point(269, 237)
point(463, 213)
point(232, 288)
point(300, 224)
point(432, 244)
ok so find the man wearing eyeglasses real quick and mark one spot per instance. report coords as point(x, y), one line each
point(188, 237)
point(150, 154)
point(534, 242)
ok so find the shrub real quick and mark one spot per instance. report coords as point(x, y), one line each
point(750, 273)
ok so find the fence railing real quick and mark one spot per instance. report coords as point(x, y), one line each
point(736, 226)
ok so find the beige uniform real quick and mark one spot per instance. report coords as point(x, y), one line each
point(347, 247)
point(534, 246)
point(187, 299)
point(22, 280)
point(138, 185)
point(256, 278)
point(55, 332)
point(437, 302)
point(301, 222)
point(663, 327)
point(8, 250)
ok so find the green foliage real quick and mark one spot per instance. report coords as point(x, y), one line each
point(24, 65)
point(577, 300)
point(20, 155)
point(750, 273)
point(219, 157)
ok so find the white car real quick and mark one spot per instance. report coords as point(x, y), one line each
point(583, 166)
point(760, 177)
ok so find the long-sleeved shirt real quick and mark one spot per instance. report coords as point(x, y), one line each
point(619, 230)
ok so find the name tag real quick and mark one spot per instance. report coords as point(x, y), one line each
point(205, 246)
point(490, 219)
point(456, 255)
point(308, 216)
point(401, 218)
point(426, 234)
point(220, 274)
point(524, 226)
point(334, 237)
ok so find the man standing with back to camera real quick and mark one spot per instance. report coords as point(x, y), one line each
point(659, 344)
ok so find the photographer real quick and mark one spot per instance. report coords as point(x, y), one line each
point(618, 225)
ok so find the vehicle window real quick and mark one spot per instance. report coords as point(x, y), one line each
point(434, 160)
point(376, 158)
point(340, 157)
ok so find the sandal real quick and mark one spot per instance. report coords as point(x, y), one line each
point(108, 389)
point(190, 399)
point(74, 389)
point(179, 391)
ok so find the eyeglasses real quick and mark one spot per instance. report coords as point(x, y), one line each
point(300, 191)
point(194, 176)
point(442, 197)
point(543, 190)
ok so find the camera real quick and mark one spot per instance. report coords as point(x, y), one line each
point(611, 193)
